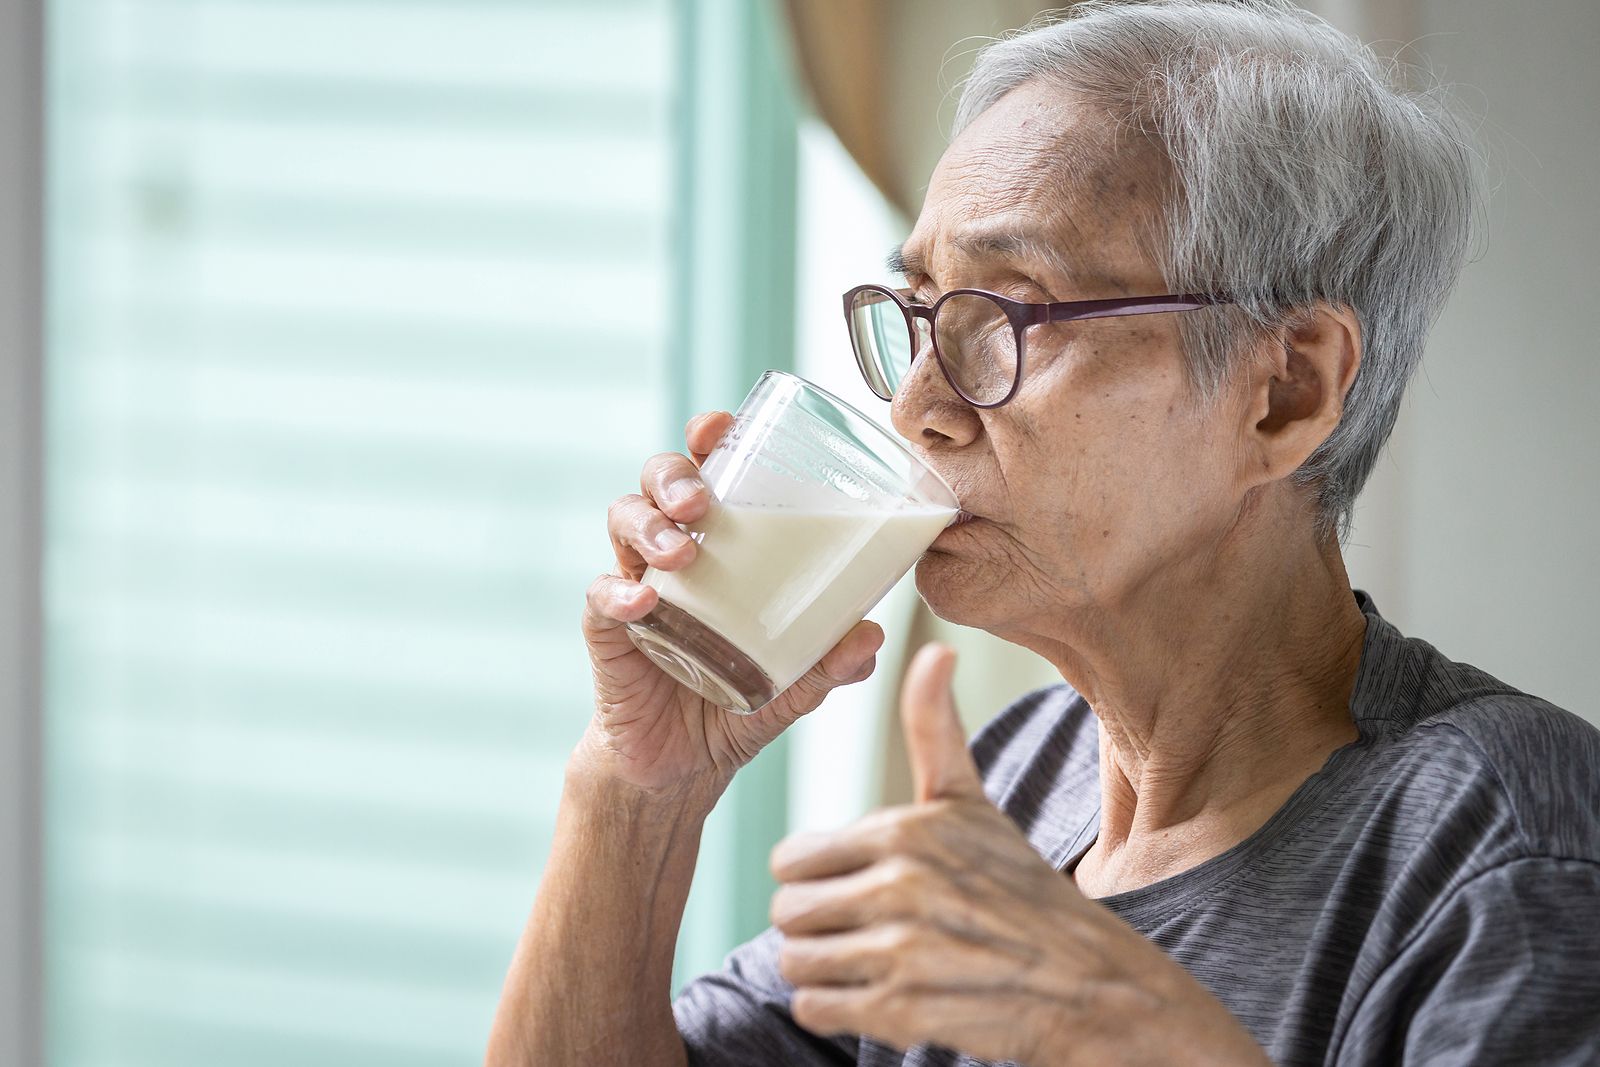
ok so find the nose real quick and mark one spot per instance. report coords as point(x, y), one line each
point(925, 410)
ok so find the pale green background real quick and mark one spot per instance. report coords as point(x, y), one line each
point(361, 315)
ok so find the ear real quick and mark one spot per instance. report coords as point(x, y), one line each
point(1296, 395)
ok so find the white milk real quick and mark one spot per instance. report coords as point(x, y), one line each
point(784, 584)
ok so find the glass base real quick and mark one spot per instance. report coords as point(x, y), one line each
point(702, 659)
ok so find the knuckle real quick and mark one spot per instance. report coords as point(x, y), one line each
point(928, 822)
point(781, 911)
point(595, 595)
point(622, 508)
point(880, 828)
point(905, 872)
point(788, 958)
point(645, 519)
point(893, 965)
point(942, 809)
point(900, 887)
point(803, 1008)
point(807, 692)
point(882, 898)
point(898, 940)
point(827, 678)
point(595, 603)
point(878, 1000)
point(658, 464)
point(902, 834)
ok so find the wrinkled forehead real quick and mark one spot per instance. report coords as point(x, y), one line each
point(1039, 175)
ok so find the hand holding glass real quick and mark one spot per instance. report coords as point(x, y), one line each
point(816, 513)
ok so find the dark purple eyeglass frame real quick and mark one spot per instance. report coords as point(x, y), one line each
point(1022, 315)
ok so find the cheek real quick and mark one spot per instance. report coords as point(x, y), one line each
point(1132, 468)
point(1165, 484)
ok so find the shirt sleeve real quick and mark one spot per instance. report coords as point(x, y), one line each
point(1505, 971)
point(740, 1015)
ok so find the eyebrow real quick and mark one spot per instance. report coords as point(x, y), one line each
point(1006, 244)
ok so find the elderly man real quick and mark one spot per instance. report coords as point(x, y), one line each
point(1167, 285)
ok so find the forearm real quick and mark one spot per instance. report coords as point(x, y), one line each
point(593, 968)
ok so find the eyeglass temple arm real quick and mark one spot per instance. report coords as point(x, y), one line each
point(1127, 305)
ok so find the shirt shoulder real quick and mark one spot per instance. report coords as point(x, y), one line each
point(1499, 972)
point(1463, 735)
point(1039, 757)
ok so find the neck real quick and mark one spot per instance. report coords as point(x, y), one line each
point(1219, 691)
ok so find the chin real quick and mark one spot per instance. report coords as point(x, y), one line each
point(956, 590)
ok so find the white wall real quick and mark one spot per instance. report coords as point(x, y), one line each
point(1479, 531)
point(20, 122)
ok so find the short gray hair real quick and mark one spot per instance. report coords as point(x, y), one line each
point(1302, 172)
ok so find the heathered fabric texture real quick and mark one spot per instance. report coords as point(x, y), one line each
point(1431, 895)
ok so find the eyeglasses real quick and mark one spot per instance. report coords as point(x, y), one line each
point(982, 332)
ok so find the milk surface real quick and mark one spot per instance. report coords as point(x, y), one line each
point(785, 583)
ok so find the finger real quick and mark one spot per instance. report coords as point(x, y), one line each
point(704, 431)
point(813, 854)
point(852, 659)
point(853, 957)
point(641, 535)
point(882, 892)
point(828, 1010)
point(941, 765)
point(672, 484)
point(612, 601)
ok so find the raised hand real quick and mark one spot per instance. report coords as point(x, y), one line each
point(936, 922)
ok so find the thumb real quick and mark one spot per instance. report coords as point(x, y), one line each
point(941, 766)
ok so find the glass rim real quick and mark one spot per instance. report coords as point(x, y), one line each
point(856, 415)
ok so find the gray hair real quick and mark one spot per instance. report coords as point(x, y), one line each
point(1302, 172)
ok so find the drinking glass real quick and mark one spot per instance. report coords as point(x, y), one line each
point(816, 512)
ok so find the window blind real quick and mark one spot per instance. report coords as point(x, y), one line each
point(349, 300)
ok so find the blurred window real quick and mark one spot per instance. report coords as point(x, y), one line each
point(347, 298)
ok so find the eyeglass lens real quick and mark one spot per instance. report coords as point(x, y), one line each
point(881, 334)
point(976, 344)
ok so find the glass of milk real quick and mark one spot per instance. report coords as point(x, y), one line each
point(816, 512)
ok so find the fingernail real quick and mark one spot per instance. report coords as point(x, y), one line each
point(682, 489)
point(670, 539)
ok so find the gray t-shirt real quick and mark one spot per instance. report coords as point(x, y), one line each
point(1431, 895)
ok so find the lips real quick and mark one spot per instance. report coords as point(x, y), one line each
point(961, 519)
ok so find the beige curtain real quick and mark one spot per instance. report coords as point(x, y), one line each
point(882, 74)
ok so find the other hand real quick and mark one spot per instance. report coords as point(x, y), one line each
point(936, 922)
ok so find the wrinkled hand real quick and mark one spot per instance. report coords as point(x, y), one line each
point(936, 922)
point(648, 730)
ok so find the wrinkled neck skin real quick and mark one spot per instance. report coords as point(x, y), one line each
point(1221, 685)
